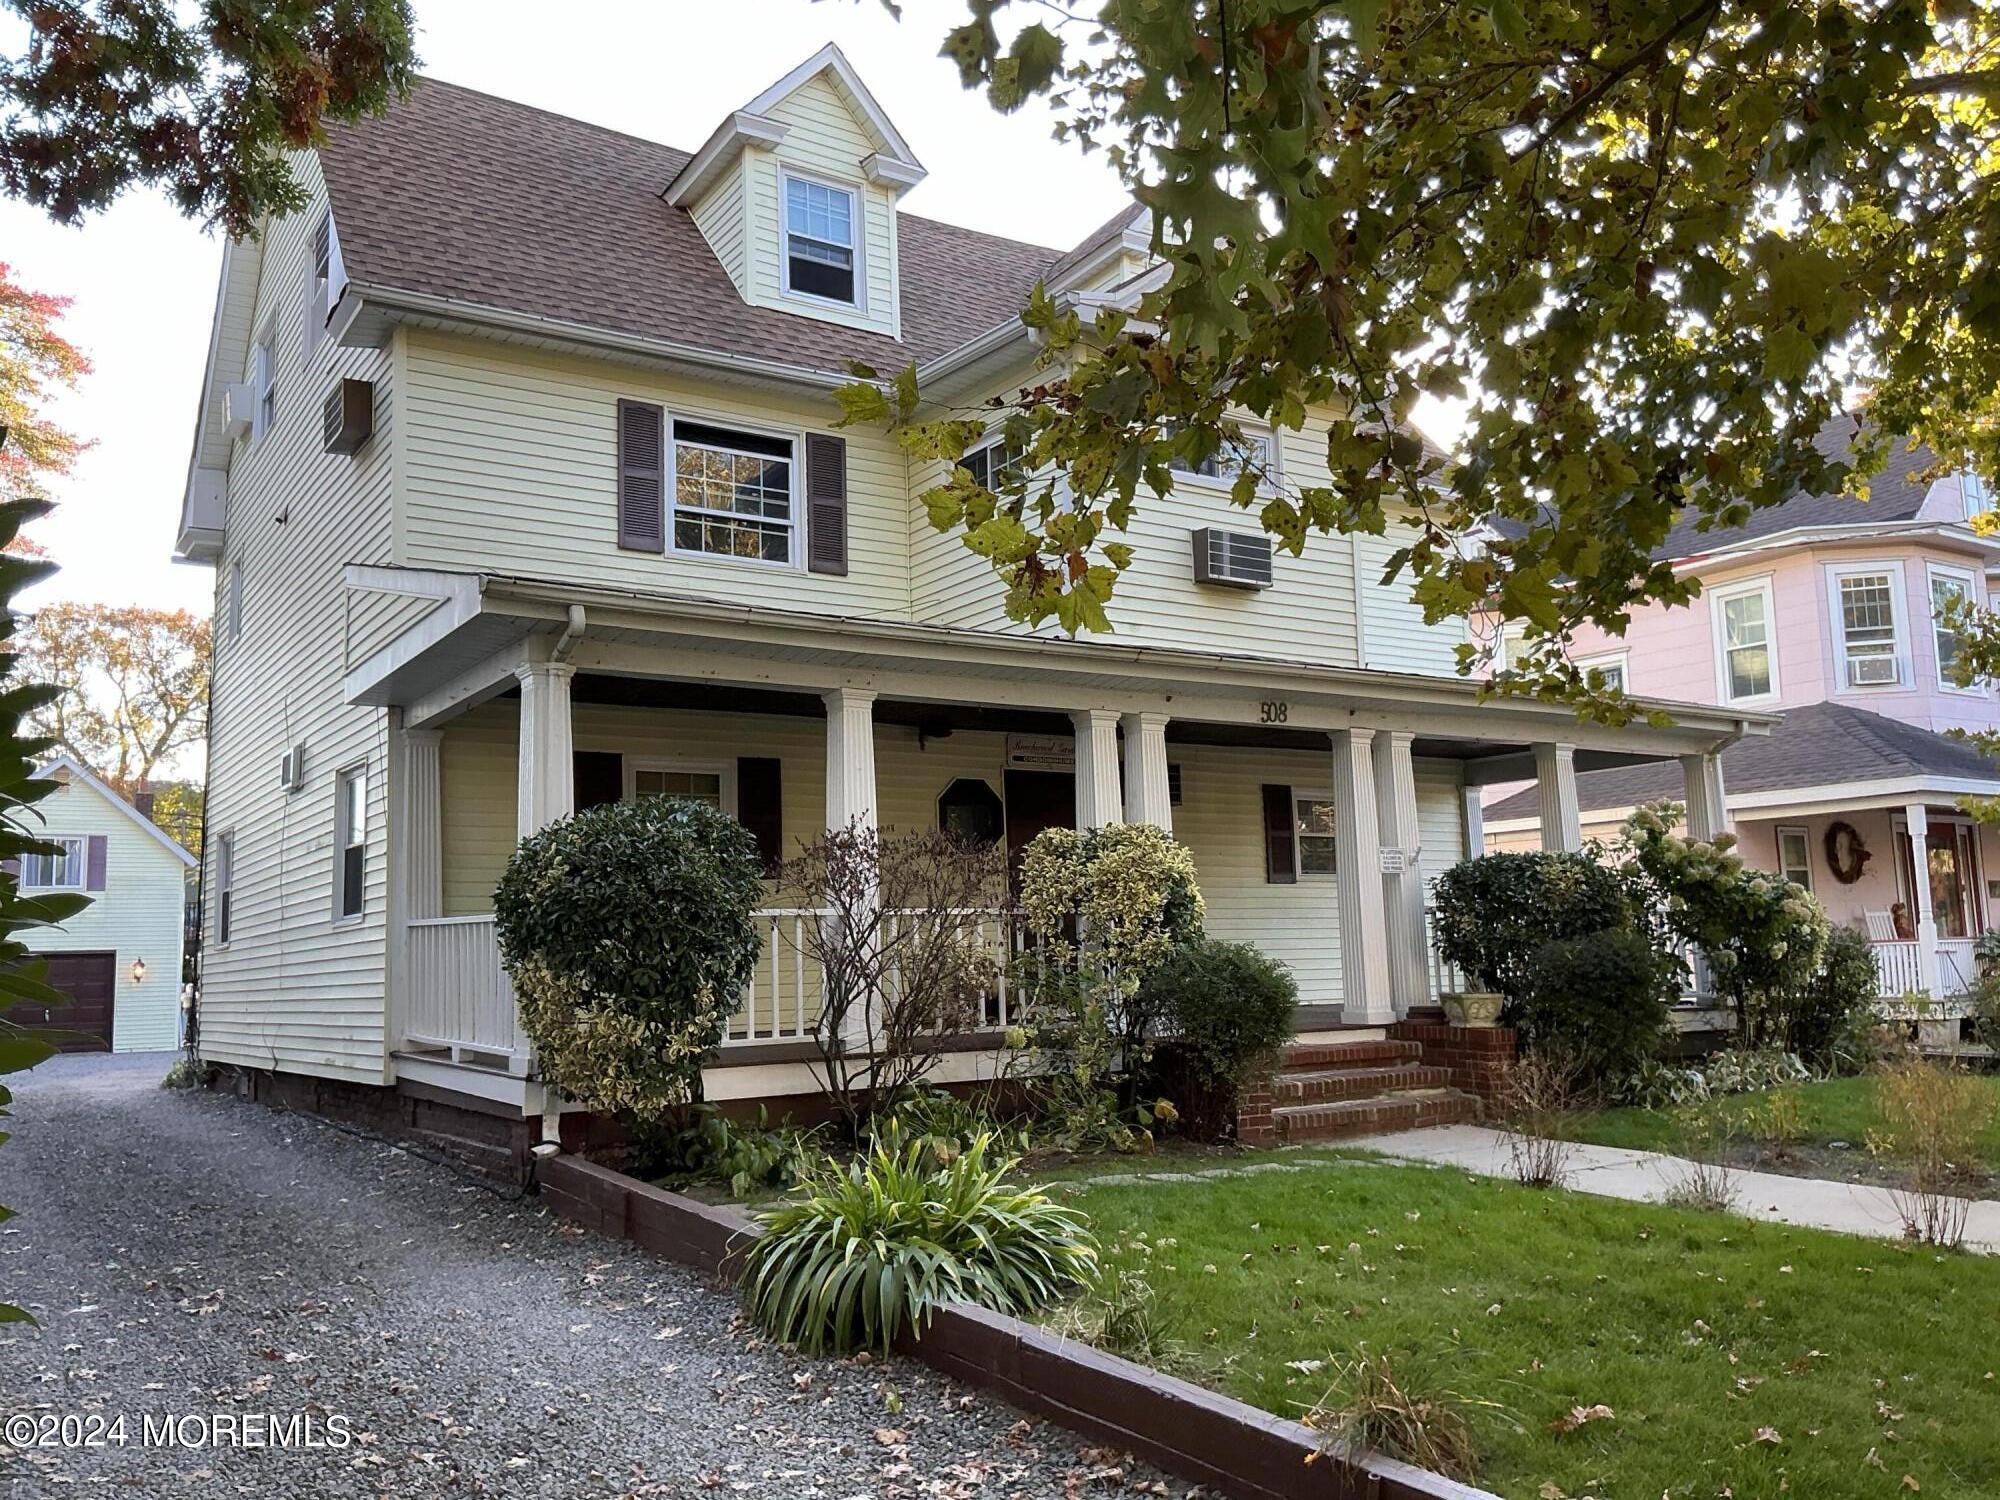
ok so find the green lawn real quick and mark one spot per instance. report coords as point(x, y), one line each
point(1840, 1109)
point(1861, 1362)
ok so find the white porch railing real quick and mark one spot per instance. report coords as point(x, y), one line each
point(1899, 972)
point(459, 997)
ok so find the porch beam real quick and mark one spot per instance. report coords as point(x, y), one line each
point(1402, 871)
point(1707, 808)
point(1561, 815)
point(1148, 795)
point(1917, 818)
point(1366, 998)
point(547, 780)
point(1097, 793)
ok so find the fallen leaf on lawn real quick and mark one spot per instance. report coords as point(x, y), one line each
point(1578, 1415)
point(1550, 1490)
point(888, 1437)
point(1910, 1482)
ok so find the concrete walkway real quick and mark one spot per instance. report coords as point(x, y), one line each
point(1645, 1176)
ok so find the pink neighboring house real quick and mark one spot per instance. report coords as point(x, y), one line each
point(1826, 609)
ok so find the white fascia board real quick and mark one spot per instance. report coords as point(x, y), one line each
point(1884, 792)
point(744, 128)
point(459, 603)
point(892, 171)
point(69, 765)
point(242, 262)
point(831, 58)
point(1809, 536)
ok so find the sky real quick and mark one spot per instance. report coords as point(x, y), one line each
point(144, 279)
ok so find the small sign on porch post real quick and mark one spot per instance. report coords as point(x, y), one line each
point(1394, 861)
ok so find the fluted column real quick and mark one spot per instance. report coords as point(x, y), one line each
point(1148, 798)
point(1097, 796)
point(1366, 998)
point(1402, 873)
point(850, 758)
point(546, 789)
point(1555, 779)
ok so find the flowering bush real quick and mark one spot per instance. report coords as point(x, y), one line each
point(1763, 936)
point(627, 932)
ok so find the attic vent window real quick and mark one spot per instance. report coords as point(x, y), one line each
point(819, 241)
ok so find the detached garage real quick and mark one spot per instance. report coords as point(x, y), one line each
point(119, 960)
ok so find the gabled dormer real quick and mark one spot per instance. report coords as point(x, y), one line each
point(796, 193)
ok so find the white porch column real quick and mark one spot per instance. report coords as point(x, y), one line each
point(1148, 798)
point(547, 786)
point(1707, 811)
point(1365, 995)
point(1402, 875)
point(1555, 779)
point(422, 822)
point(1475, 821)
point(1918, 817)
point(850, 758)
point(1097, 798)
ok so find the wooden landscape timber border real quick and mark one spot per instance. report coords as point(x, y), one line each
point(1230, 1446)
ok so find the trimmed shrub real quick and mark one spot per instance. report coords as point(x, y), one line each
point(1491, 915)
point(1601, 1001)
point(1225, 1010)
point(864, 1252)
point(1833, 1022)
point(628, 934)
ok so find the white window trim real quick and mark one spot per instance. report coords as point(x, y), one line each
point(795, 436)
point(724, 770)
point(1892, 569)
point(1606, 660)
point(1973, 488)
point(264, 380)
point(1717, 597)
point(1778, 849)
point(1274, 472)
point(232, 601)
point(225, 885)
point(79, 862)
point(1309, 794)
point(857, 221)
point(1968, 580)
point(341, 842)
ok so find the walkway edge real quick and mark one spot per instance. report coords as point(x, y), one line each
point(1230, 1446)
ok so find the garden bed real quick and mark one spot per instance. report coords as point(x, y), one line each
point(1836, 1118)
point(1726, 1356)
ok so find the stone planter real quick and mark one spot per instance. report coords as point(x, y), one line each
point(1472, 1008)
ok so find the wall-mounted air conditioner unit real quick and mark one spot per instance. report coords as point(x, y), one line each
point(239, 406)
point(348, 417)
point(1232, 559)
point(292, 768)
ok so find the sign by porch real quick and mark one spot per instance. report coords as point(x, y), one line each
point(1394, 861)
point(1041, 752)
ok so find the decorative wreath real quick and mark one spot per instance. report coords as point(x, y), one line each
point(1845, 853)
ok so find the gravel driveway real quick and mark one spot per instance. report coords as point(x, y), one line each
point(196, 1255)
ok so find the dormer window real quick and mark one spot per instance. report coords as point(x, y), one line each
point(819, 250)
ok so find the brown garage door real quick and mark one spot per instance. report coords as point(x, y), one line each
point(90, 980)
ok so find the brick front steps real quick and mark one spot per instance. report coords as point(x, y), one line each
point(1325, 1090)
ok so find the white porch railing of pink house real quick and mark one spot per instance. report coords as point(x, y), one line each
point(1899, 968)
point(461, 1003)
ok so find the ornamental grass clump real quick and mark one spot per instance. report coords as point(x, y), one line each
point(866, 1251)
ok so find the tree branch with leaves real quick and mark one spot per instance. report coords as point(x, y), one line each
point(134, 685)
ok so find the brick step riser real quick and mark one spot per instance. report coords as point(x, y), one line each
point(1311, 1055)
point(1361, 1084)
point(1297, 1124)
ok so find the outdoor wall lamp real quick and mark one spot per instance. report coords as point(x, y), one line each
point(138, 970)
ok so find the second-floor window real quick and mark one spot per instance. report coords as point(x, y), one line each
point(819, 240)
point(232, 601)
point(733, 493)
point(1951, 588)
point(55, 872)
point(225, 884)
point(1978, 494)
point(264, 383)
point(1747, 662)
point(1253, 452)
point(1865, 609)
point(993, 462)
point(1610, 670)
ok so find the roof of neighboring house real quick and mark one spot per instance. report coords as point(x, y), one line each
point(1895, 494)
point(458, 194)
point(1822, 744)
point(68, 766)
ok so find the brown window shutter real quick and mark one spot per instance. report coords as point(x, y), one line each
point(826, 503)
point(95, 853)
point(760, 806)
point(642, 476)
point(600, 777)
point(1281, 837)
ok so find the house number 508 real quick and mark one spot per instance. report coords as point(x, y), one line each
point(1274, 712)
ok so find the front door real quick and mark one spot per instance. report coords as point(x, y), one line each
point(1952, 869)
point(1035, 800)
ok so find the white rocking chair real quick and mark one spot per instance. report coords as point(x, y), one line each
point(1881, 927)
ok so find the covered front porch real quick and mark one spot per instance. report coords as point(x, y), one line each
point(1318, 803)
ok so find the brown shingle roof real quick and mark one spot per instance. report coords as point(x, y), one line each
point(461, 195)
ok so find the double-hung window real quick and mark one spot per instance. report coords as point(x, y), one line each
point(733, 493)
point(264, 382)
point(62, 871)
point(225, 883)
point(1231, 459)
point(1864, 608)
point(993, 463)
point(1977, 492)
point(351, 819)
point(1314, 812)
point(1951, 589)
point(1795, 855)
point(1610, 671)
point(819, 241)
point(1745, 630)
